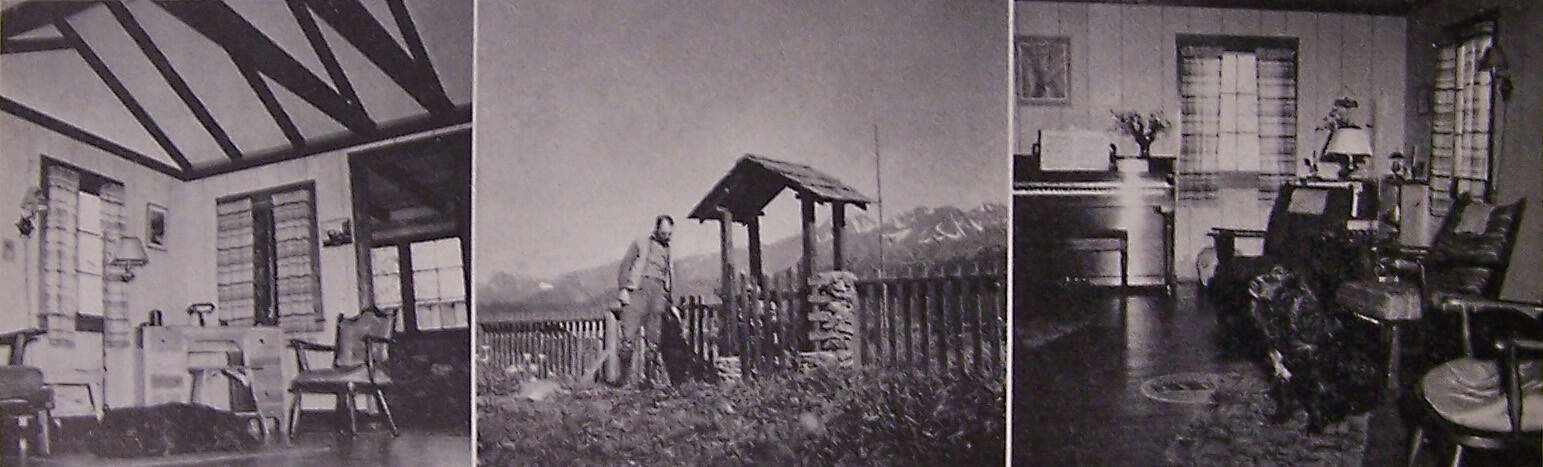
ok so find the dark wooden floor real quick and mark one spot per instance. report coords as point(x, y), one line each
point(1077, 400)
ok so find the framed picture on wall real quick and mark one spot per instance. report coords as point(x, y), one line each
point(155, 226)
point(1043, 67)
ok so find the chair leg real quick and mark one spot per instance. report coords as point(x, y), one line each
point(1414, 444)
point(353, 424)
point(380, 396)
point(294, 415)
point(1457, 455)
point(45, 445)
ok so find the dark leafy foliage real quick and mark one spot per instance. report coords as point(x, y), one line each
point(825, 417)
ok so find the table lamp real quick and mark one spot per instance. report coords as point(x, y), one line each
point(1349, 147)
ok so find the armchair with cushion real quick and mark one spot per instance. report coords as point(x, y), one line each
point(24, 398)
point(1492, 397)
point(1299, 219)
point(358, 366)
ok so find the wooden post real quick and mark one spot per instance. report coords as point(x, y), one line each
point(802, 288)
point(753, 228)
point(612, 343)
point(838, 222)
point(726, 249)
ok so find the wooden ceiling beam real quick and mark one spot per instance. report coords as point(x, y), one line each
point(173, 79)
point(271, 103)
point(324, 52)
point(355, 23)
point(245, 43)
point(427, 196)
point(37, 44)
point(118, 89)
point(409, 29)
point(28, 16)
point(90, 139)
point(399, 128)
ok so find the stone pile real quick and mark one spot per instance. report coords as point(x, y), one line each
point(832, 319)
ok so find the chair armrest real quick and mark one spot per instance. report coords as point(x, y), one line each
point(1519, 344)
point(1243, 233)
point(1467, 306)
point(302, 344)
point(379, 340)
point(17, 341)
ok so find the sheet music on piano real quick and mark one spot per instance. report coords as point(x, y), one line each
point(1073, 150)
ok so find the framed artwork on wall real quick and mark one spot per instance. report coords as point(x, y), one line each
point(1043, 68)
point(155, 226)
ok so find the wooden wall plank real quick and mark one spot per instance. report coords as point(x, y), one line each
point(1237, 22)
point(1141, 69)
point(1304, 27)
point(1174, 20)
point(1074, 23)
point(1104, 22)
point(1205, 21)
point(1388, 79)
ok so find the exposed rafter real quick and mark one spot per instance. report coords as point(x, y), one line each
point(271, 103)
point(37, 44)
point(404, 23)
point(350, 19)
point(124, 96)
point(324, 53)
point(76, 133)
point(404, 127)
point(27, 16)
point(173, 79)
point(244, 42)
point(428, 197)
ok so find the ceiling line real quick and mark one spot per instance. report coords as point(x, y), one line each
point(329, 61)
point(173, 79)
point(124, 96)
point(355, 23)
point(410, 126)
point(28, 16)
point(33, 44)
point(244, 42)
point(271, 103)
point(91, 139)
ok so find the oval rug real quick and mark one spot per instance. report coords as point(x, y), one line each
point(1182, 388)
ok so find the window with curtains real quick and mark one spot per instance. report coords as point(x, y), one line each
point(83, 222)
point(1460, 130)
point(269, 274)
point(1238, 97)
point(425, 281)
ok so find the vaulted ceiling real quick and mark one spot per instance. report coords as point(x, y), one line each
point(199, 88)
point(1374, 7)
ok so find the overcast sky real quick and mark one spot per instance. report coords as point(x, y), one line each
point(592, 117)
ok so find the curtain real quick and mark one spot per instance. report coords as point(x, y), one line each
point(291, 286)
point(117, 332)
point(1239, 116)
point(60, 293)
point(294, 236)
point(1460, 130)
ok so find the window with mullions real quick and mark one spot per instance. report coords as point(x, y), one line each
point(269, 274)
point(1461, 128)
point(1238, 96)
point(425, 281)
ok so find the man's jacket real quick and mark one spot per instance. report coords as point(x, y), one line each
point(646, 259)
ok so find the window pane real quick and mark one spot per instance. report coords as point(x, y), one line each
point(452, 284)
point(383, 260)
point(428, 316)
point(89, 214)
point(425, 285)
point(88, 252)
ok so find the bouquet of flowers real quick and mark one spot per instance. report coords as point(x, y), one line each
point(1143, 128)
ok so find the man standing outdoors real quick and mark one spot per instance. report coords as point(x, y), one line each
point(642, 299)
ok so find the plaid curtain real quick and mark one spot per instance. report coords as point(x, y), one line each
point(1460, 130)
point(1239, 115)
point(117, 332)
point(60, 283)
point(293, 285)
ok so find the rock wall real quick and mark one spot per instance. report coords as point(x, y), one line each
point(832, 319)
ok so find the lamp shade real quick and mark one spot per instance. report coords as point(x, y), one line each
point(129, 251)
point(1349, 141)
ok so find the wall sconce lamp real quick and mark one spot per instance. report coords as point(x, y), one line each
point(1494, 61)
point(35, 202)
point(129, 253)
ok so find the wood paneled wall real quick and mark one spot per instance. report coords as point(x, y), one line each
point(1123, 58)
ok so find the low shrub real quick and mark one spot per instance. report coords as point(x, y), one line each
point(822, 417)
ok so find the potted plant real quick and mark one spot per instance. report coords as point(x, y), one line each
point(1143, 128)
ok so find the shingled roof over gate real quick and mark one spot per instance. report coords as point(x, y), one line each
point(756, 180)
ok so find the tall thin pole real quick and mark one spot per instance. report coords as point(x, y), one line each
point(878, 173)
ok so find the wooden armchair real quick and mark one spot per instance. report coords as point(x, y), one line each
point(1470, 253)
point(358, 363)
point(1491, 398)
point(24, 398)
